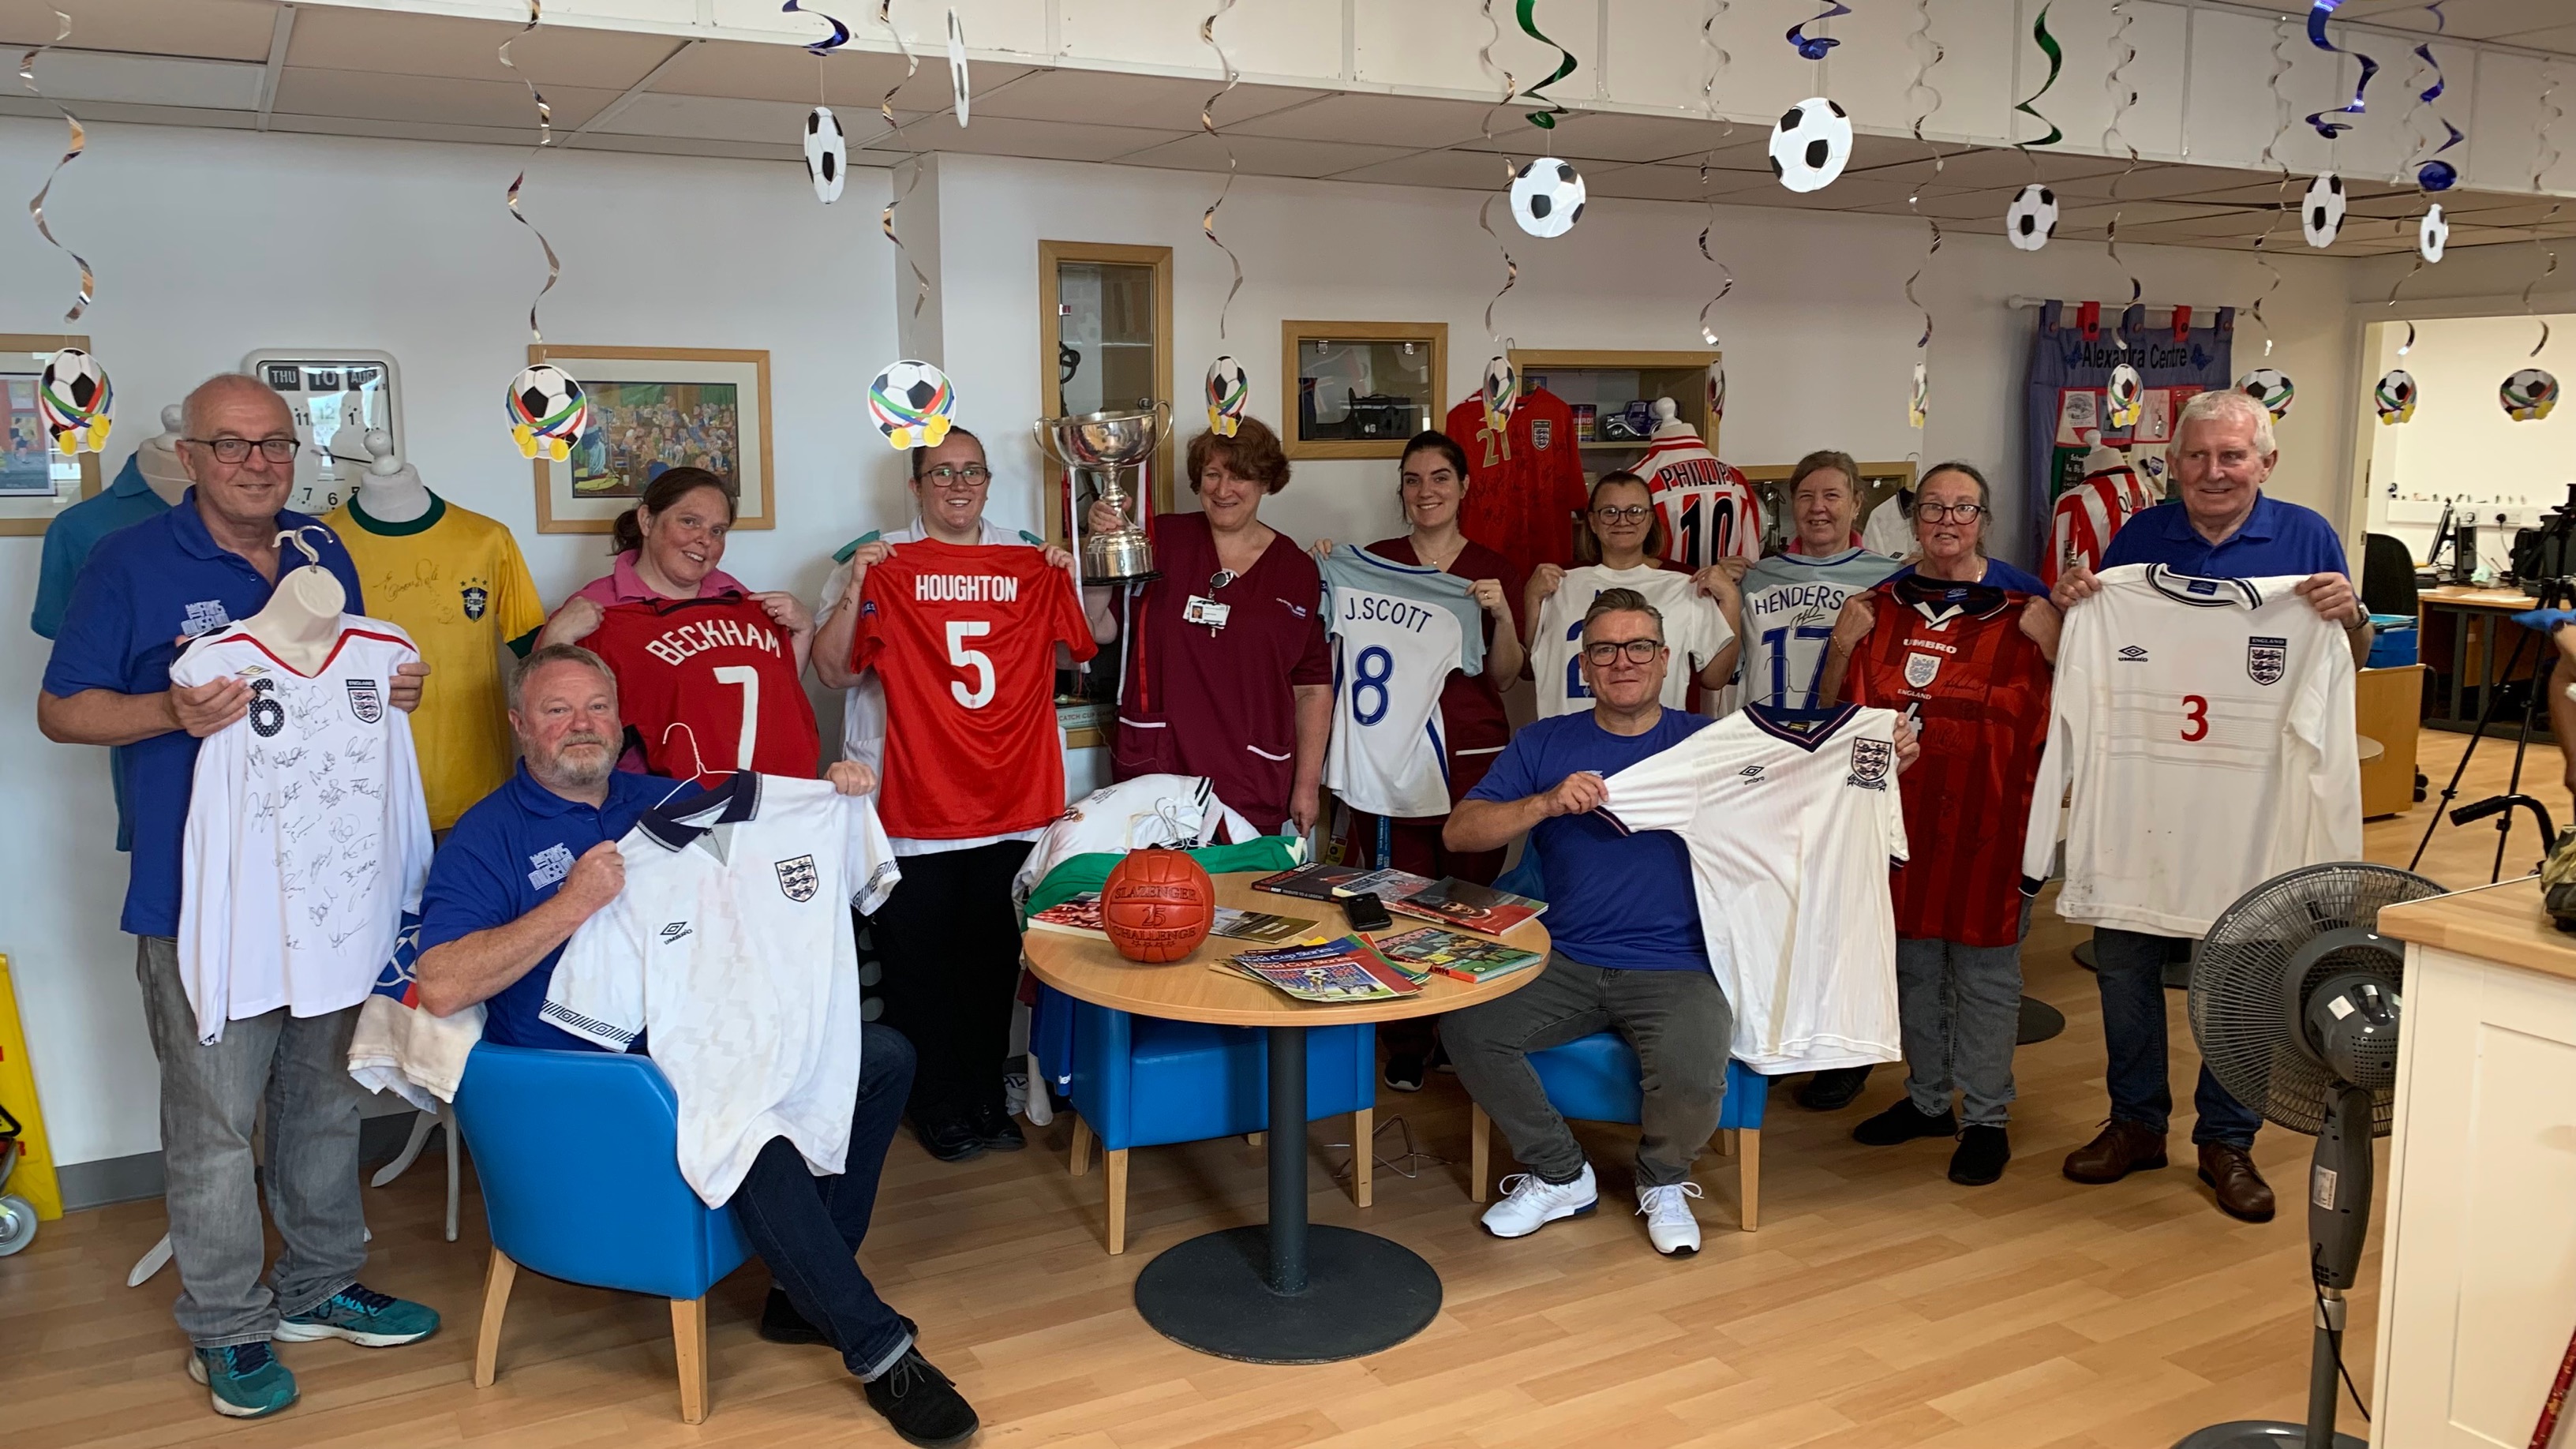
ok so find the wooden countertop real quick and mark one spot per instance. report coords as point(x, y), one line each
point(2462, 596)
point(2501, 923)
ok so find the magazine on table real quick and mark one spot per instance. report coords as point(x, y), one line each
point(1454, 902)
point(1075, 915)
point(1260, 926)
point(1451, 953)
point(1344, 970)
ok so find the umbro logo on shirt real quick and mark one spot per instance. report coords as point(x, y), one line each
point(2132, 654)
point(1751, 772)
point(674, 931)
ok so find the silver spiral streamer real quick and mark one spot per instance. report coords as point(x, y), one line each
point(885, 108)
point(2123, 96)
point(545, 138)
point(1927, 54)
point(1485, 213)
point(1207, 123)
point(79, 143)
point(1713, 64)
point(2282, 35)
point(2544, 157)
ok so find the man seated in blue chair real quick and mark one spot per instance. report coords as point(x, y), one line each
point(537, 857)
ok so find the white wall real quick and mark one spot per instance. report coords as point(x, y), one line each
point(2460, 444)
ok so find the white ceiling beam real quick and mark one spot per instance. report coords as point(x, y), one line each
point(610, 112)
point(278, 36)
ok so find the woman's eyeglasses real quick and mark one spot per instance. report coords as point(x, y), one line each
point(1633, 513)
point(973, 475)
point(1950, 512)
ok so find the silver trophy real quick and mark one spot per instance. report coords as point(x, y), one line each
point(1105, 450)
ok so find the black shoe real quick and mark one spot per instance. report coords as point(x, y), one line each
point(921, 1404)
point(995, 1129)
point(1983, 1151)
point(1831, 1091)
point(1903, 1123)
point(781, 1323)
point(1404, 1073)
point(950, 1139)
point(1440, 1058)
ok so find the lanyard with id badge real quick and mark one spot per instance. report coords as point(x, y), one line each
point(1202, 609)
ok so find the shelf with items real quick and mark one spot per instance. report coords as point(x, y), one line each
point(1360, 389)
point(1596, 384)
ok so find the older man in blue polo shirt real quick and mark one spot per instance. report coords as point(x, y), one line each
point(146, 591)
point(2221, 526)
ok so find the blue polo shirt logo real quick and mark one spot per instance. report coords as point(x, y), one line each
point(204, 617)
point(548, 866)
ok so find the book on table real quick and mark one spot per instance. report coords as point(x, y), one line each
point(1455, 902)
point(1079, 915)
point(1344, 970)
point(1455, 954)
point(1075, 915)
point(1332, 882)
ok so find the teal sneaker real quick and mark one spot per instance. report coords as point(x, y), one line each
point(363, 1316)
point(244, 1380)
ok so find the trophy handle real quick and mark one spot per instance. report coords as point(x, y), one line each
point(1038, 430)
point(1162, 420)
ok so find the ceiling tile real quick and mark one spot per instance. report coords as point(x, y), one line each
point(217, 29)
point(724, 118)
point(1658, 183)
point(1604, 136)
point(1260, 156)
point(1008, 136)
point(333, 38)
point(1456, 170)
point(1154, 102)
point(497, 103)
point(2001, 167)
point(849, 79)
point(695, 146)
point(1370, 120)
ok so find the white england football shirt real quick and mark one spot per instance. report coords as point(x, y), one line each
point(1397, 630)
point(731, 952)
point(1792, 820)
point(1790, 601)
point(1695, 629)
point(2204, 728)
point(308, 833)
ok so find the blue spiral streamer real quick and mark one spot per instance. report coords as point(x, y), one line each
point(2436, 174)
point(1813, 47)
point(839, 37)
point(2317, 17)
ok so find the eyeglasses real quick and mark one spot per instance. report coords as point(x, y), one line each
point(1630, 514)
point(973, 475)
point(237, 450)
point(1607, 652)
point(1948, 512)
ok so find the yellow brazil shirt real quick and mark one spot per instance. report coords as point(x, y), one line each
point(455, 581)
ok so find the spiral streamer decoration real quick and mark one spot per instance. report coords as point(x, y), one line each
point(1813, 47)
point(1544, 120)
point(1207, 123)
point(2056, 62)
point(839, 37)
point(2318, 14)
point(1716, 62)
point(79, 143)
point(2281, 114)
point(1485, 214)
point(2122, 98)
point(2434, 174)
point(545, 138)
point(885, 108)
point(1927, 54)
point(2543, 159)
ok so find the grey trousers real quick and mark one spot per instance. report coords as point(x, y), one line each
point(210, 1099)
point(1678, 1022)
point(1960, 1011)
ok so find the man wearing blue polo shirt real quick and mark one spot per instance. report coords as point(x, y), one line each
point(2221, 526)
point(145, 591)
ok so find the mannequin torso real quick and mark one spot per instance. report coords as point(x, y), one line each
point(158, 458)
point(391, 490)
point(301, 621)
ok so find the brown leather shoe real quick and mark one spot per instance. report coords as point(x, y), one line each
point(2242, 1192)
point(2123, 1148)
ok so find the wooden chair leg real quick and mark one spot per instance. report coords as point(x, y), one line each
point(1726, 1142)
point(498, 1275)
point(689, 1346)
point(1477, 1164)
point(1364, 1156)
point(1117, 1201)
point(1080, 1162)
point(1255, 1139)
point(1748, 1178)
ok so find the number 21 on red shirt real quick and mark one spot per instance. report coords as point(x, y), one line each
point(2195, 717)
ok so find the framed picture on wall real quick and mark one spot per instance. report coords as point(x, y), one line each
point(35, 481)
point(653, 409)
point(337, 395)
point(1360, 389)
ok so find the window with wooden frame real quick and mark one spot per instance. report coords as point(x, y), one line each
point(1360, 389)
point(1105, 345)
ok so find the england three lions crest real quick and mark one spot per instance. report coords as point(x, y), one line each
point(1921, 669)
point(366, 701)
point(798, 879)
point(2266, 660)
point(1869, 763)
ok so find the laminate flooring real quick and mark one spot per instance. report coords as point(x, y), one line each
point(1878, 1305)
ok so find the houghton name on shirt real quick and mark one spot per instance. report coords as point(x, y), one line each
point(682, 640)
point(966, 588)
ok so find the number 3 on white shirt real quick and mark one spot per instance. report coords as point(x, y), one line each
point(959, 631)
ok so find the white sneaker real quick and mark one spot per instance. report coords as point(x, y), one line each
point(1669, 1224)
point(1530, 1202)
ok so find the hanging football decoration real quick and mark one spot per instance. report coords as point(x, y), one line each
point(2126, 396)
point(1547, 197)
point(960, 91)
point(827, 154)
point(2394, 398)
point(548, 412)
point(1920, 405)
point(75, 402)
point(2032, 218)
point(1502, 392)
point(1228, 390)
point(2271, 387)
point(2318, 13)
point(2528, 395)
point(1810, 144)
point(2321, 214)
point(2432, 233)
point(910, 403)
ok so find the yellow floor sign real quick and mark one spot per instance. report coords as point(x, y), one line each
point(34, 1177)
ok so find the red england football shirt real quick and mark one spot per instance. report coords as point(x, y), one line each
point(1525, 484)
point(710, 686)
point(963, 638)
point(1952, 658)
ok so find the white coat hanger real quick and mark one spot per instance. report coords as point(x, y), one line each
point(695, 757)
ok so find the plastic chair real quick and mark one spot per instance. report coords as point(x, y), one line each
point(2388, 575)
point(1597, 1079)
point(1142, 1081)
point(578, 1154)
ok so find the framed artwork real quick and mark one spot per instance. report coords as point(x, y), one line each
point(35, 481)
point(1360, 389)
point(653, 409)
point(337, 395)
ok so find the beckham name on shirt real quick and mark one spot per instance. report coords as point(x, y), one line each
point(966, 588)
point(679, 643)
point(1378, 607)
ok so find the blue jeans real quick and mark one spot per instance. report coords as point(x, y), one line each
point(808, 1229)
point(2130, 971)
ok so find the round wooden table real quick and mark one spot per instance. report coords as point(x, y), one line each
point(1283, 1292)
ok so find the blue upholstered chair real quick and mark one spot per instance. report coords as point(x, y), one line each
point(1597, 1079)
point(1142, 1081)
point(578, 1155)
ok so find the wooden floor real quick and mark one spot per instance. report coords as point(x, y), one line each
point(1879, 1305)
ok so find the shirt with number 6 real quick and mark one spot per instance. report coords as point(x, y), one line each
point(964, 640)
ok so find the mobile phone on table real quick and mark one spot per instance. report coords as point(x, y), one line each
point(1366, 911)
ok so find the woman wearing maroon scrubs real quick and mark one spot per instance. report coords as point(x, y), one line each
point(1228, 674)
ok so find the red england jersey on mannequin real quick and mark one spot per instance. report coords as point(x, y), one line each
point(964, 638)
point(1952, 657)
point(710, 686)
point(1525, 484)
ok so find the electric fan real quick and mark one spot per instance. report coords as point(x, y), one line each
point(2295, 999)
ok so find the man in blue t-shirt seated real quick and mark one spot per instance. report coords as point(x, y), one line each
point(1628, 952)
point(512, 882)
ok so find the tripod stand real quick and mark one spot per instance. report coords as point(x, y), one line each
point(2556, 593)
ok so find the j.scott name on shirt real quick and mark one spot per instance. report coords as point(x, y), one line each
point(1403, 615)
point(680, 642)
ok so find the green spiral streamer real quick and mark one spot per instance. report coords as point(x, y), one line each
point(2056, 62)
point(1545, 120)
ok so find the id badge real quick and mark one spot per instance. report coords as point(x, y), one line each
point(1202, 610)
